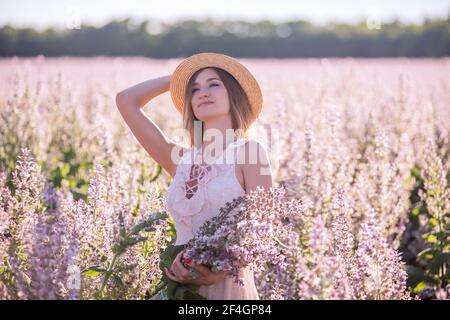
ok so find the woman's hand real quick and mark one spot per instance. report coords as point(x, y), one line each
point(204, 276)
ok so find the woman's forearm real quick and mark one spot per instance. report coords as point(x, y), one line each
point(143, 92)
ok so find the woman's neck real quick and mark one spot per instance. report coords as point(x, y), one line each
point(218, 132)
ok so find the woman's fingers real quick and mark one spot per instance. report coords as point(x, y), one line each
point(200, 280)
point(204, 271)
point(180, 274)
point(178, 257)
point(206, 275)
point(174, 268)
point(178, 267)
point(180, 271)
point(170, 275)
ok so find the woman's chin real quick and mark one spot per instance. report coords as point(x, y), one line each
point(208, 115)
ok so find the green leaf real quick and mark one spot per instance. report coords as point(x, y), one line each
point(118, 281)
point(185, 292)
point(442, 235)
point(419, 287)
point(65, 170)
point(118, 249)
point(433, 222)
point(439, 259)
point(93, 271)
point(147, 247)
point(431, 238)
point(123, 233)
point(160, 295)
point(168, 255)
point(157, 174)
point(425, 254)
point(125, 268)
point(415, 172)
point(416, 275)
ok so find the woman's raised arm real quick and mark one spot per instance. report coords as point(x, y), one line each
point(150, 136)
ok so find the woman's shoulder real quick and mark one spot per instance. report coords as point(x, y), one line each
point(249, 144)
point(254, 163)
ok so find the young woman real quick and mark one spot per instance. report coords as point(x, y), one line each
point(218, 92)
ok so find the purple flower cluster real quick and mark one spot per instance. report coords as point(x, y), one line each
point(242, 234)
point(329, 261)
point(47, 238)
point(38, 240)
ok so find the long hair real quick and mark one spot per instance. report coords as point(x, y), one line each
point(242, 114)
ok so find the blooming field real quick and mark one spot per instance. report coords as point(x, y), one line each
point(361, 148)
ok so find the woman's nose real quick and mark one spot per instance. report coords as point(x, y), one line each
point(204, 93)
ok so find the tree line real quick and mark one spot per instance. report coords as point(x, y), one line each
point(238, 38)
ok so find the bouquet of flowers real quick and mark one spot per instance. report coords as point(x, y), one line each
point(243, 234)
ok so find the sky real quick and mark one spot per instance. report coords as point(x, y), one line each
point(62, 13)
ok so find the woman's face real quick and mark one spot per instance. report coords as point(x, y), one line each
point(209, 88)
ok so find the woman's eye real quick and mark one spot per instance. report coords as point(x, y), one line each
point(214, 84)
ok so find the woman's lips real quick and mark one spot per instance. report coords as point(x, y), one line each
point(204, 104)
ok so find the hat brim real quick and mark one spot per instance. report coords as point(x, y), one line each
point(184, 71)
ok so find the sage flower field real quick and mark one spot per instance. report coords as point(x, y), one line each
point(359, 151)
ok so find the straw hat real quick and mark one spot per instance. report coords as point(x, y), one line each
point(190, 65)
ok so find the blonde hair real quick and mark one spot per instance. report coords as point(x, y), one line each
point(242, 115)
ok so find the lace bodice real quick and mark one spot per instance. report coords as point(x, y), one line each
point(199, 190)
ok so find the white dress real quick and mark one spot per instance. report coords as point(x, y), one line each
point(195, 195)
